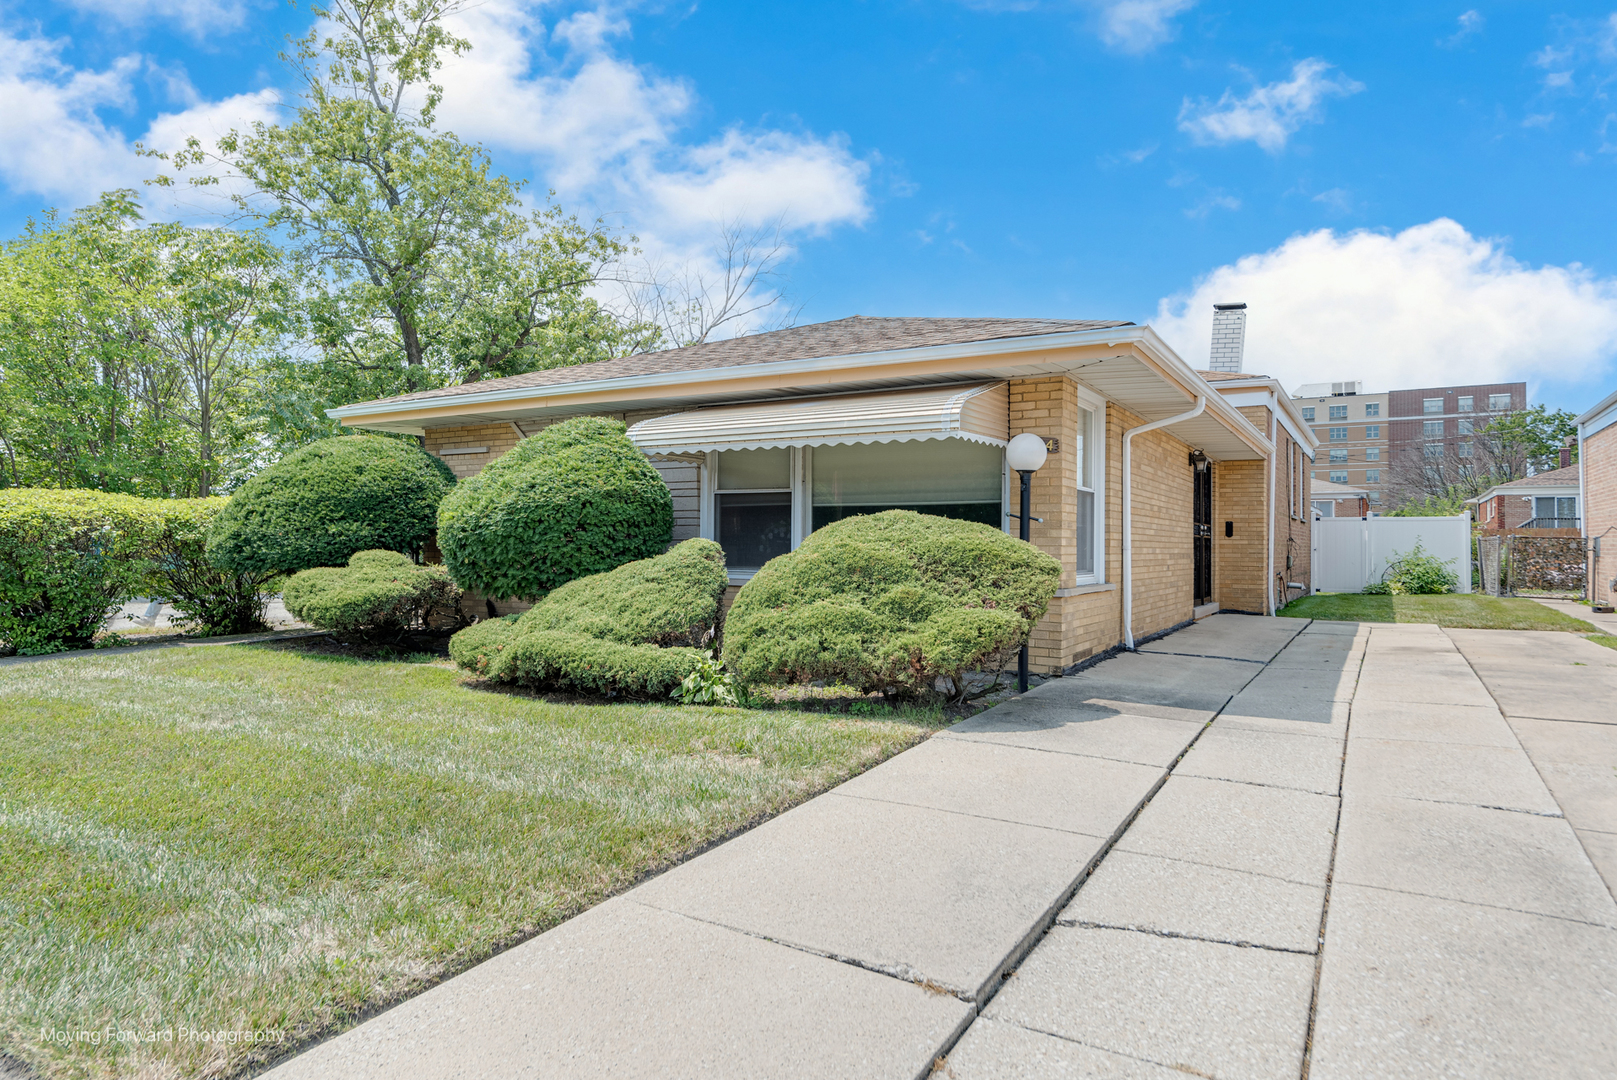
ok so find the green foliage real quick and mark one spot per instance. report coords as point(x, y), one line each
point(208, 599)
point(379, 593)
point(66, 559)
point(632, 631)
point(1377, 588)
point(320, 505)
point(576, 499)
point(128, 353)
point(709, 684)
point(892, 602)
point(1534, 435)
point(422, 266)
point(1451, 503)
point(1419, 574)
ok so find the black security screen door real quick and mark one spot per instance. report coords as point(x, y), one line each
point(1201, 500)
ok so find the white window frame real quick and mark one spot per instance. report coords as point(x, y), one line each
point(1095, 443)
point(708, 528)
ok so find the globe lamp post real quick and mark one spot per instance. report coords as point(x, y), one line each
point(1026, 454)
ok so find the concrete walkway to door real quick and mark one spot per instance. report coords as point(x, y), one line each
point(996, 902)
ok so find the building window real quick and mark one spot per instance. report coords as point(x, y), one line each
point(1434, 450)
point(1338, 456)
point(1372, 453)
point(1308, 413)
point(1465, 403)
point(1089, 535)
point(1498, 402)
point(1339, 477)
point(948, 477)
point(1561, 512)
point(1465, 427)
point(753, 506)
point(1372, 408)
point(1463, 449)
point(1375, 496)
point(1432, 429)
point(1338, 412)
point(1372, 476)
point(1339, 434)
point(1431, 405)
point(1372, 431)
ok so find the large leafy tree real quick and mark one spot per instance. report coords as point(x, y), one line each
point(423, 267)
point(128, 353)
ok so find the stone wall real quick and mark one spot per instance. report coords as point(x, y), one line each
point(1545, 564)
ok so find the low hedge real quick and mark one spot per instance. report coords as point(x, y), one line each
point(634, 631)
point(898, 602)
point(379, 593)
point(68, 557)
point(330, 499)
point(576, 499)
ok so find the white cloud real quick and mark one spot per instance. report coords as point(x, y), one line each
point(1429, 306)
point(57, 143)
point(194, 16)
point(1268, 115)
point(607, 131)
point(1137, 26)
point(1215, 200)
point(1470, 22)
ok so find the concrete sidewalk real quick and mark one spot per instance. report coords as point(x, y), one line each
point(1093, 879)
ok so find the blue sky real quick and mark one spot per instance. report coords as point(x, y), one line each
point(1406, 193)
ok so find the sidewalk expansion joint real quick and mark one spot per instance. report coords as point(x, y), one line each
point(1084, 924)
point(1215, 866)
point(965, 814)
point(1048, 750)
point(901, 972)
point(1337, 794)
point(1557, 815)
point(1204, 656)
point(1175, 1066)
point(1478, 903)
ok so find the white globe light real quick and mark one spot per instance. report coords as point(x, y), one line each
point(1026, 453)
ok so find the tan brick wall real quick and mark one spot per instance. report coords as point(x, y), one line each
point(1599, 457)
point(1163, 557)
point(1240, 497)
point(497, 438)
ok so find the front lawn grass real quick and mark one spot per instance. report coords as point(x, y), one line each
point(240, 838)
point(1464, 610)
point(1608, 640)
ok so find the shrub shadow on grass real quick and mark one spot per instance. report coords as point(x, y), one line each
point(424, 647)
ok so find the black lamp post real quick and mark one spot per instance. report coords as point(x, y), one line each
point(1026, 454)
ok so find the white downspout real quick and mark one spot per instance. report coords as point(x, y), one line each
point(1269, 526)
point(1128, 523)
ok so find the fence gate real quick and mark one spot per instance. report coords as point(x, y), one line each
point(1490, 563)
point(1349, 553)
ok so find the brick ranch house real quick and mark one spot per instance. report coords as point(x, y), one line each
point(1597, 457)
point(1547, 501)
point(1340, 500)
point(1162, 497)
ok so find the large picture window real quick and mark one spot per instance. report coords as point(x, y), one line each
point(752, 509)
point(953, 478)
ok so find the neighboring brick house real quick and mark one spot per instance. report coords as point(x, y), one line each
point(765, 438)
point(1548, 500)
point(1597, 455)
point(1340, 500)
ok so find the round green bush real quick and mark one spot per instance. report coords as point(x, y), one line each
point(329, 500)
point(576, 499)
point(634, 630)
point(896, 602)
point(377, 593)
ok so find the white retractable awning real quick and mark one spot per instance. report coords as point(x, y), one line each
point(979, 413)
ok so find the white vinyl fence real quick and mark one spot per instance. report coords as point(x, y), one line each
point(1349, 553)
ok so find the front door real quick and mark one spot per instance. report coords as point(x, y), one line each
point(1201, 501)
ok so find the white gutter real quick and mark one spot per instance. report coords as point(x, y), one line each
point(1128, 524)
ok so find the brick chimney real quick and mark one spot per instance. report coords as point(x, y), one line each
point(1229, 338)
point(1566, 451)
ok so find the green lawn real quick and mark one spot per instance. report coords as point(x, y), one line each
point(1608, 640)
point(245, 839)
point(1468, 610)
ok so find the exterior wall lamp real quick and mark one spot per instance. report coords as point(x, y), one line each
point(1026, 453)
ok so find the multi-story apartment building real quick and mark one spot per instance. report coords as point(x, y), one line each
point(1351, 427)
point(1434, 427)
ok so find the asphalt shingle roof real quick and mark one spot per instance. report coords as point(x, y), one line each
point(1567, 477)
point(842, 337)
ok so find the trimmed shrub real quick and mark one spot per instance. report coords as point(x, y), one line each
point(329, 500)
point(66, 559)
point(632, 631)
point(897, 602)
point(576, 499)
point(207, 599)
point(379, 593)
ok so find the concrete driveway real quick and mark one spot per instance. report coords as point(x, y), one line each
point(1255, 848)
